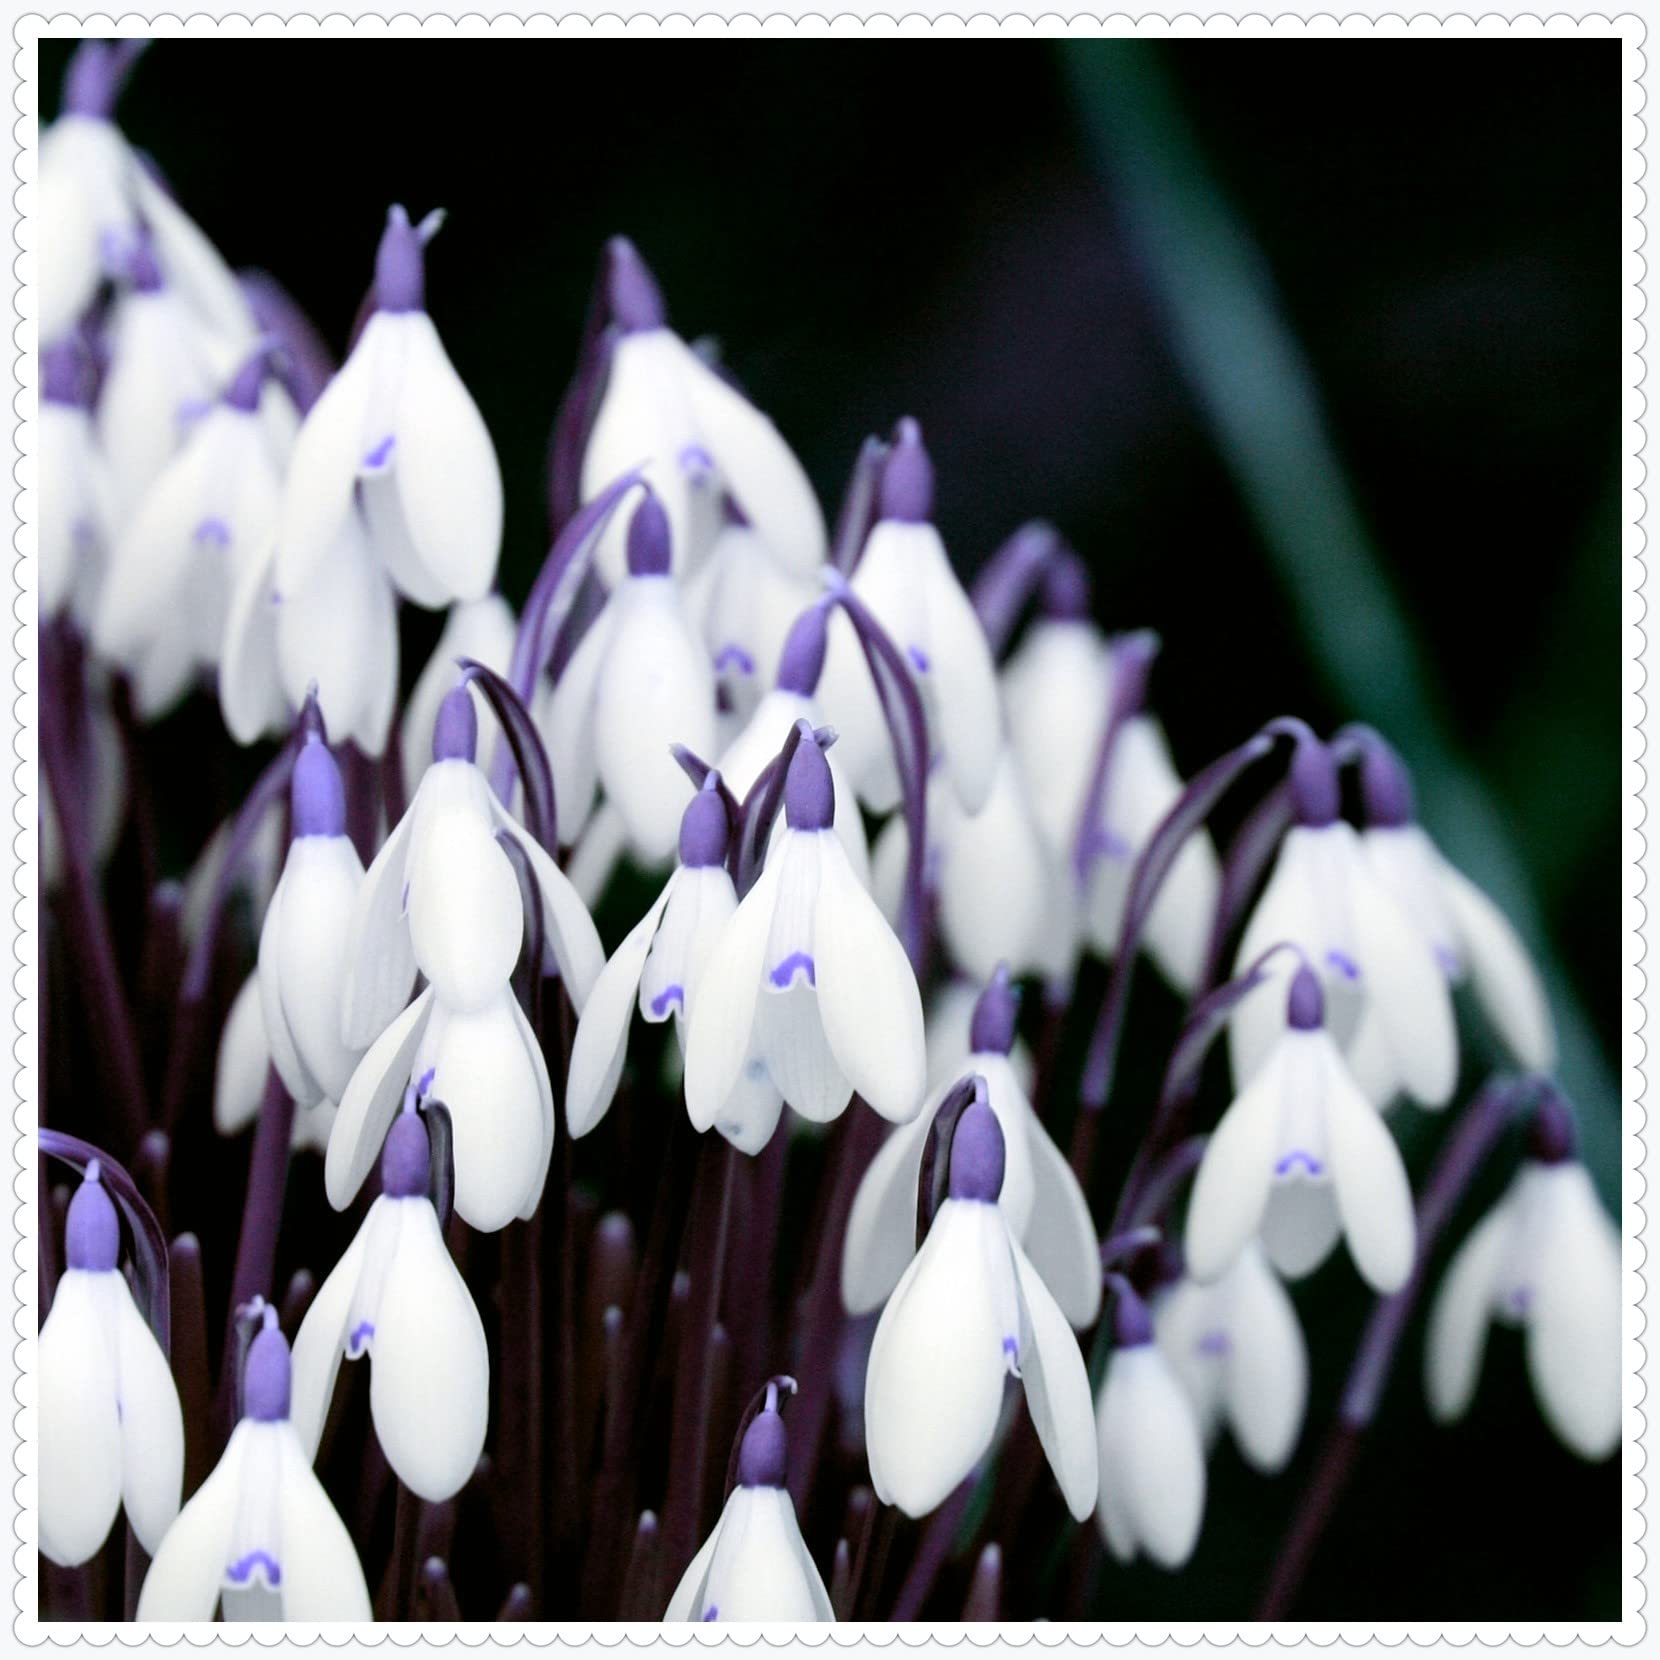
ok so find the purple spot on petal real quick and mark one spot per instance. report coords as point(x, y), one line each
point(239, 1573)
point(1344, 964)
point(669, 994)
point(1011, 1347)
point(1521, 1299)
point(798, 961)
point(1215, 1343)
point(711, 1613)
point(276, 598)
point(918, 657)
point(381, 453)
point(364, 1331)
point(1105, 843)
point(1295, 1157)
point(734, 657)
point(696, 461)
point(1448, 959)
point(214, 530)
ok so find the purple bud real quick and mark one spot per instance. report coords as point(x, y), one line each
point(138, 265)
point(406, 1158)
point(907, 489)
point(455, 732)
point(996, 1015)
point(809, 792)
point(763, 1456)
point(1065, 593)
point(632, 296)
point(400, 265)
point(1551, 1137)
point(317, 794)
point(266, 1378)
point(977, 1155)
point(92, 1236)
point(1132, 1325)
point(1385, 787)
point(802, 660)
point(648, 539)
point(66, 375)
point(248, 381)
point(1305, 1007)
point(704, 831)
point(1314, 791)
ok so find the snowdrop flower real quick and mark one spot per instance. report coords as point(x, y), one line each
point(699, 440)
point(1152, 1472)
point(442, 897)
point(638, 681)
point(806, 984)
point(75, 509)
point(481, 629)
point(1300, 1157)
point(1545, 1258)
point(259, 1538)
point(969, 1312)
point(1041, 1201)
point(1325, 898)
point(239, 1073)
point(1238, 1350)
point(111, 1432)
point(397, 1297)
point(905, 578)
point(950, 1027)
point(755, 1566)
point(660, 966)
point(397, 431)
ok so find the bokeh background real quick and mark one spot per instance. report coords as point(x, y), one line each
point(1312, 351)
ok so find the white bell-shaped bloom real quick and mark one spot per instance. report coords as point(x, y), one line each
point(1300, 1158)
point(111, 1432)
point(1152, 1454)
point(259, 1539)
point(970, 1312)
point(239, 1072)
point(807, 987)
point(398, 431)
point(254, 879)
point(904, 576)
point(697, 439)
point(481, 629)
point(397, 1297)
point(755, 1566)
point(1238, 1349)
point(1545, 1258)
point(1042, 1203)
point(1324, 897)
point(75, 510)
point(638, 682)
point(660, 965)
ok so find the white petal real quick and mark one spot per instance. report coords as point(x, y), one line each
point(759, 1569)
point(466, 913)
point(789, 1036)
point(597, 854)
point(152, 1426)
point(565, 718)
point(881, 1227)
point(572, 939)
point(1461, 1313)
point(189, 258)
point(1266, 1365)
point(1152, 1454)
point(285, 1052)
point(684, 1604)
point(1057, 1392)
point(371, 1101)
point(320, 1343)
point(319, 890)
point(82, 171)
point(185, 1577)
point(379, 953)
point(1194, 1327)
point(700, 906)
point(480, 629)
point(850, 704)
point(1230, 1193)
point(243, 1060)
point(80, 1433)
point(250, 684)
point(1060, 1237)
point(965, 707)
point(322, 1578)
point(1287, 913)
point(1374, 1196)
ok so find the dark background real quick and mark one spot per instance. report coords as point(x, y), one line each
point(878, 230)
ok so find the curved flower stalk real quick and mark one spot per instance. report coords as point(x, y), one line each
point(1301, 1157)
point(259, 1539)
point(396, 1297)
point(1325, 898)
point(806, 985)
point(397, 432)
point(480, 630)
point(638, 683)
point(969, 1312)
point(1238, 1349)
point(696, 438)
point(76, 514)
point(755, 1566)
point(240, 1072)
point(1041, 1201)
point(905, 579)
point(1151, 1451)
point(1545, 1258)
point(950, 1027)
point(661, 966)
point(111, 1432)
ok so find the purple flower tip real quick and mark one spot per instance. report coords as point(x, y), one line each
point(763, 1457)
point(1551, 1137)
point(802, 660)
point(996, 1015)
point(632, 296)
point(1132, 1325)
point(400, 265)
point(317, 794)
point(246, 384)
point(406, 1158)
point(455, 732)
point(704, 830)
point(266, 1378)
point(977, 1155)
point(1305, 1007)
point(1313, 778)
point(906, 492)
point(92, 1237)
point(809, 793)
point(648, 538)
point(1385, 787)
point(1065, 593)
point(66, 375)
point(96, 75)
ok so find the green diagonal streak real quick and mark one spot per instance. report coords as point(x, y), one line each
point(1258, 393)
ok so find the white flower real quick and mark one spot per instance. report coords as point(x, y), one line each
point(259, 1538)
point(1041, 1201)
point(970, 1312)
point(1238, 1350)
point(660, 966)
point(239, 1074)
point(754, 1566)
point(481, 629)
point(697, 439)
point(905, 578)
point(1152, 1456)
point(111, 1433)
point(807, 987)
point(638, 682)
point(1300, 1157)
point(951, 1036)
point(75, 508)
point(397, 1297)
point(1545, 1258)
point(397, 430)
point(104, 804)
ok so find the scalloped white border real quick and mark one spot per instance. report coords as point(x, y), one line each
point(18, 785)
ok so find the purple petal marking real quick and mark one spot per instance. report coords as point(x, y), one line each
point(696, 461)
point(918, 657)
point(276, 598)
point(1521, 1299)
point(1215, 1343)
point(1451, 966)
point(1105, 843)
point(784, 975)
point(1011, 1347)
point(711, 1613)
point(381, 453)
point(214, 530)
point(240, 1572)
point(1344, 964)
point(734, 657)
point(669, 994)
point(1295, 1157)
point(354, 1344)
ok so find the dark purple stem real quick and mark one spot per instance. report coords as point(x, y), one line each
point(1011, 576)
point(1243, 866)
point(524, 745)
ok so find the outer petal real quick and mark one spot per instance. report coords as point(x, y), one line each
point(190, 259)
point(881, 1227)
point(1288, 912)
point(1266, 1365)
point(296, 1076)
point(1461, 1313)
point(244, 1059)
point(152, 1426)
point(1057, 1391)
point(1152, 1452)
point(319, 889)
point(466, 915)
point(379, 953)
point(322, 1578)
point(250, 684)
point(185, 1577)
point(320, 1344)
point(760, 1569)
point(565, 718)
point(789, 1035)
point(572, 938)
point(965, 708)
point(81, 1453)
point(1060, 1237)
point(683, 1605)
point(1373, 1193)
point(1230, 1194)
point(371, 1101)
